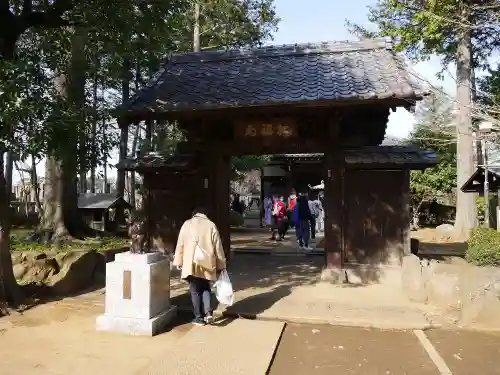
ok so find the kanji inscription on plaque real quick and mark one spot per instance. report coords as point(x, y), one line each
point(282, 128)
point(127, 285)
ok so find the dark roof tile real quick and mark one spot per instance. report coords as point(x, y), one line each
point(405, 156)
point(277, 74)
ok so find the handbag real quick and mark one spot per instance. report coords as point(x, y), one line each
point(201, 257)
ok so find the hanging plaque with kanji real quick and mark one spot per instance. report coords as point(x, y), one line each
point(276, 128)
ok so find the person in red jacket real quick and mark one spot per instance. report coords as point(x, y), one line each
point(279, 213)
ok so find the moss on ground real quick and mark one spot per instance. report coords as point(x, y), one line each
point(18, 244)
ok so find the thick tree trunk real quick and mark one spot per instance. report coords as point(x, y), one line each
point(53, 222)
point(466, 217)
point(10, 292)
point(61, 219)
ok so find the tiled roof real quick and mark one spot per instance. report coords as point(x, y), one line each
point(394, 156)
point(475, 183)
point(408, 156)
point(329, 71)
point(155, 160)
point(91, 201)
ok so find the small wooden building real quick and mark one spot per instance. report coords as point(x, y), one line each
point(475, 183)
point(96, 210)
point(329, 98)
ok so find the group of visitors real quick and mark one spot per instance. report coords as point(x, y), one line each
point(303, 212)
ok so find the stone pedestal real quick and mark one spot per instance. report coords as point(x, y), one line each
point(137, 295)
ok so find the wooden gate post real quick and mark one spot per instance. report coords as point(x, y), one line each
point(334, 206)
point(217, 174)
point(334, 210)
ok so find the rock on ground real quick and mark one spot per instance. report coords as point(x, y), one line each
point(77, 271)
point(64, 273)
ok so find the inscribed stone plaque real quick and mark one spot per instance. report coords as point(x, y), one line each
point(127, 284)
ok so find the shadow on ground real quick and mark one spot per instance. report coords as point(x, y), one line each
point(269, 278)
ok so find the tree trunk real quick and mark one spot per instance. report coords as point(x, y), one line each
point(35, 187)
point(10, 292)
point(61, 219)
point(196, 28)
point(466, 217)
point(132, 173)
point(473, 97)
point(121, 175)
point(105, 161)
point(93, 162)
point(9, 167)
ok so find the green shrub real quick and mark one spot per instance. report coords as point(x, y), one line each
point(483, 247)
point(480, 208)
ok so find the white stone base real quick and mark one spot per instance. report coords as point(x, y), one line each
point(137, 298)
point(131, 326)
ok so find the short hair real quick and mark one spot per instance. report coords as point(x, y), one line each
point(200, 210)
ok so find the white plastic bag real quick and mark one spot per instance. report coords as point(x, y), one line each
point(224, 289)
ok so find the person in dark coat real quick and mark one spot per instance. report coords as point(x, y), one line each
point(302, 216)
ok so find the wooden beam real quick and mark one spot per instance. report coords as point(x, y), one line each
point(255, 146)
point(267, 110)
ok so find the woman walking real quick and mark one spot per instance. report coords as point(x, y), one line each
point(268, 209)
point(200, 235)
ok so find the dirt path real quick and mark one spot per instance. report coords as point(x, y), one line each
point(307, 349)
point(60, 338)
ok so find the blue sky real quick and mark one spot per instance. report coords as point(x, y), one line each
point(305, 21)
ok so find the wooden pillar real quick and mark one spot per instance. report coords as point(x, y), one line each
point(334, 201)
point(217, 175)
point(262, 196)
point(221, 196)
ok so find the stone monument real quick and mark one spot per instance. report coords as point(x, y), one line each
point(137, 298)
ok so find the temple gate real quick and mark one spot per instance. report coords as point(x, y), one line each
point(329, 98)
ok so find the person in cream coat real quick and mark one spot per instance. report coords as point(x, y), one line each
point(200, 231)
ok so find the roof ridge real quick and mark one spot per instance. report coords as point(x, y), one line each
point(297, 49)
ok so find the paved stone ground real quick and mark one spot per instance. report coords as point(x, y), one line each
point(258, 240)
point(308, 349)
point(219, 349)
point(288, 288)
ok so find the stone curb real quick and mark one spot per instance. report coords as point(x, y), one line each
point(266, 251)
point(300, 320)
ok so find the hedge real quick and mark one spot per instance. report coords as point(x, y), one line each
point(483, 247)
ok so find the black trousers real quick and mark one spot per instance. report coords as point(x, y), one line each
point(313, 227)
point(200, 296)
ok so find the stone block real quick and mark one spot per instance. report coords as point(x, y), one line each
point(413, 279)
point(362, 274)
point(334, 275)
point(137, 297)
